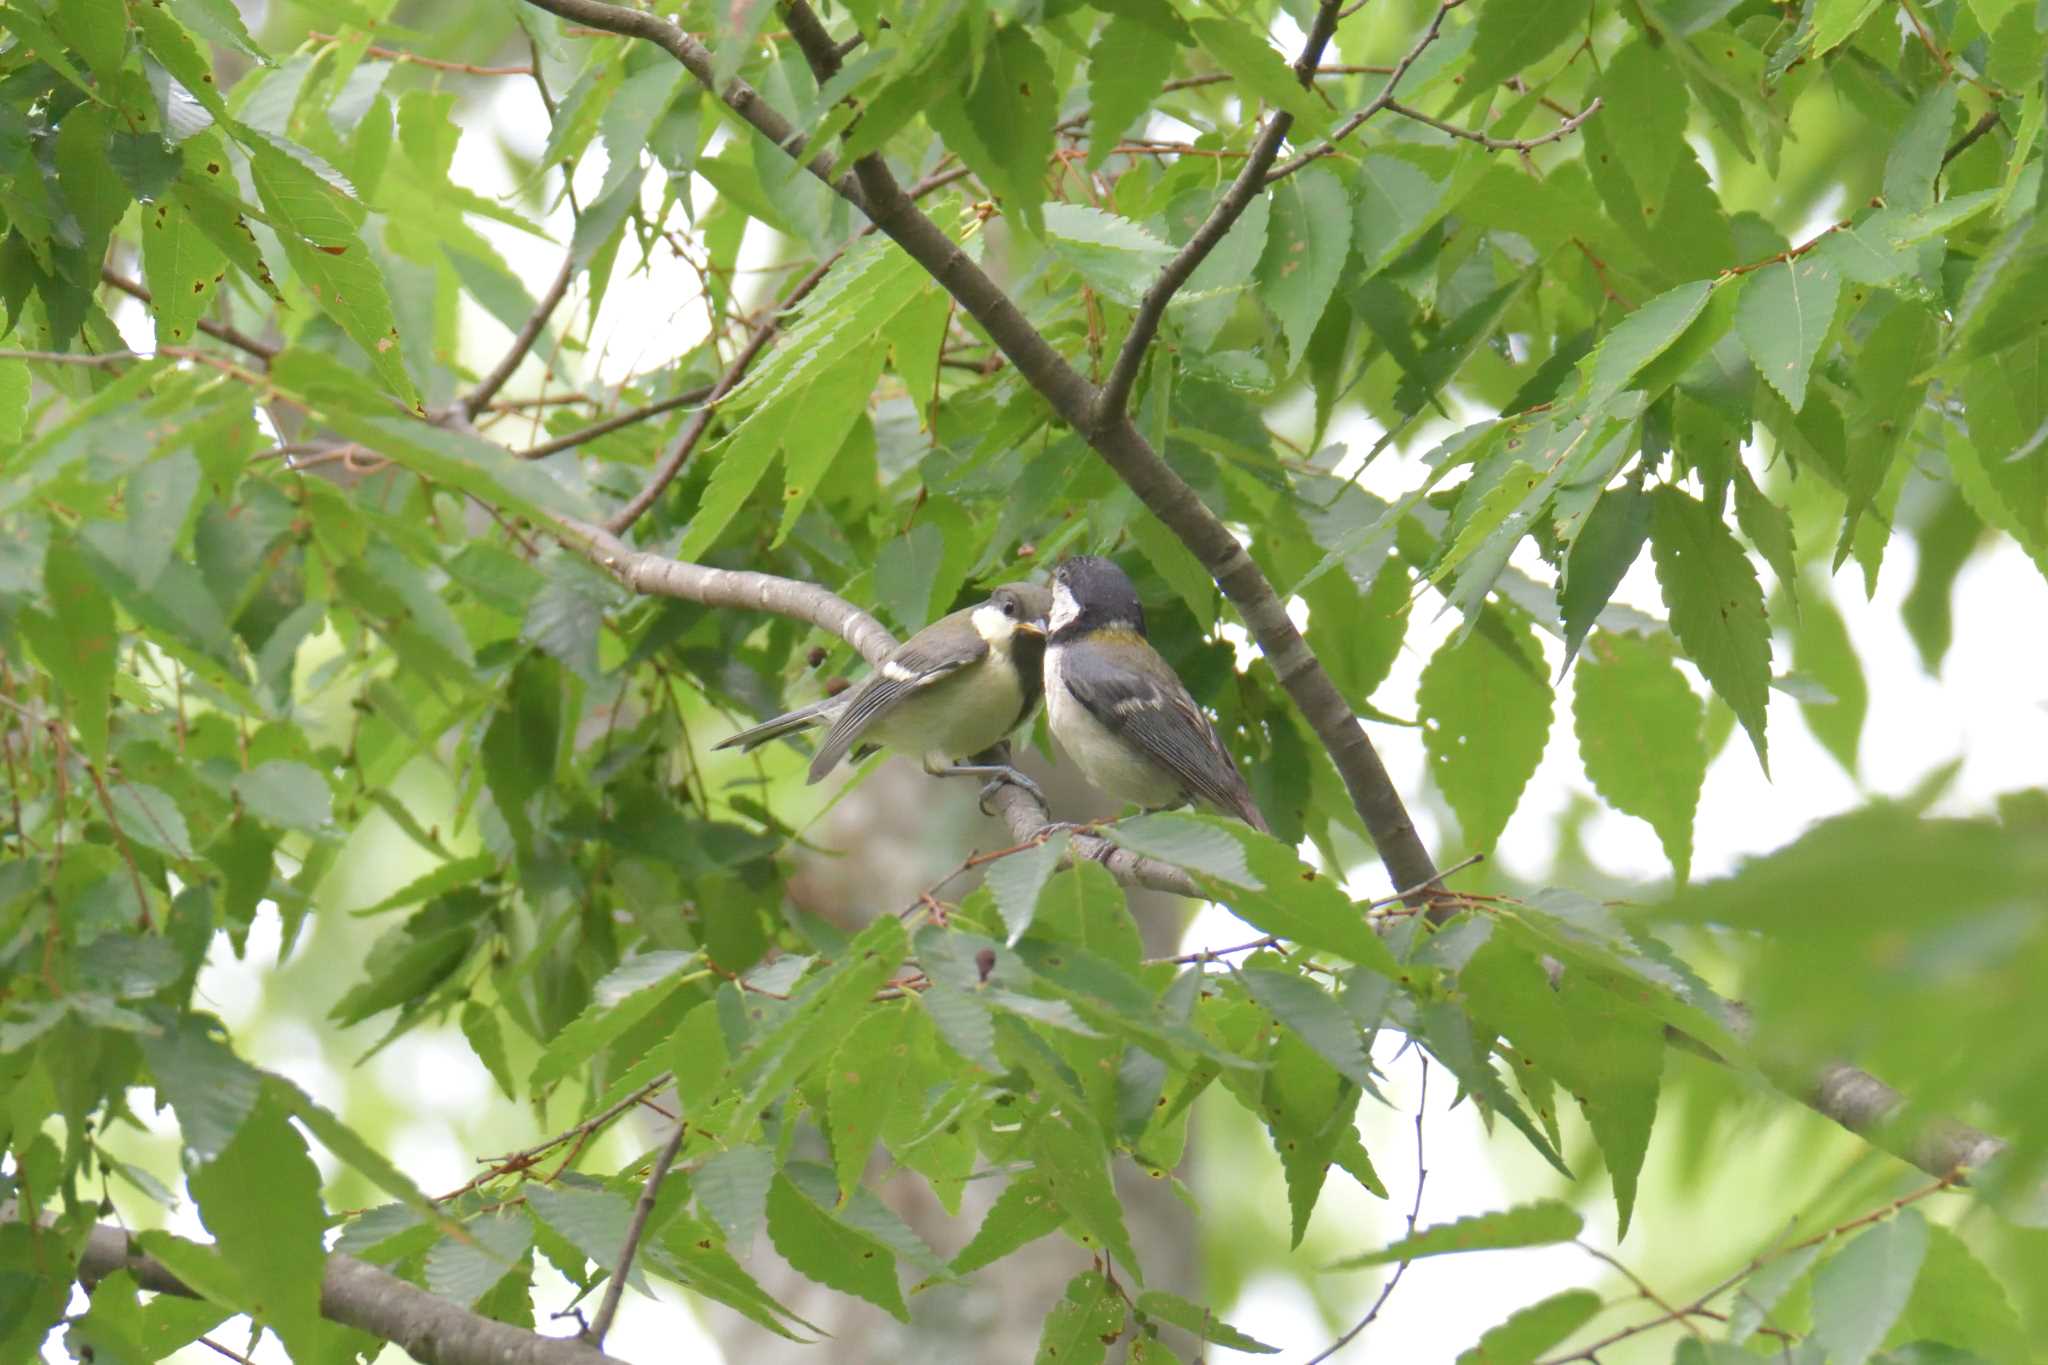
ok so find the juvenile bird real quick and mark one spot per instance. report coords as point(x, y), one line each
point(1118, 708)
point(956, 687)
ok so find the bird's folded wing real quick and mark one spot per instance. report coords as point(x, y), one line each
point(902, 675)
point(1166, 724)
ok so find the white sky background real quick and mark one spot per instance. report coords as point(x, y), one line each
point(1987, 706)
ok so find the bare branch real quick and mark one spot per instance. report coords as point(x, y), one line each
point(614, 423)
point(1498, 144)
point(220, 331)
point(608, 1308)
point(487, 388)
point(357, 1294)
point(1378, 102)
point(1251, 178)
point(1414, 1213)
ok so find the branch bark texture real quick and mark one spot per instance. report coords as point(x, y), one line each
point(431, 1329)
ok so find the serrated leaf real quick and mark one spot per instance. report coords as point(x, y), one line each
point(1080, 1327)
point(1759, 1293)
point(1601, 555)
point(282, 792)
point(1200, 1320)
point(1017, 880)
point(181, 265)
point(1115, 255)
point(732, 1187)
point(261, 1201)
point(1012, 107)
point(1126, 66)
point(209, 1088)
point(1863, 1288)
point(1396, 200)
point(317, 221)
point(76, 641)
point(1485, 703)
point(1640, 338)
point(797, 1044)
point(464, 1271)
point(1243, 51)
point(1310, 1012)
point(1024, 1212)
point(486, 1040)
point(1543, 1223)
point(872, 1076)
point(1196, 843)
point(466, 462)
point(1073, 1163)
point(822, 1248)
point(593, 1222)
point(1834, 21)
point(1783, 317)
point(1639, 732)
point(1515, 37)
point(1956, 1299)
point(630, 993)
point(1715, 603)
point(148, 816)
point(1532, 1331)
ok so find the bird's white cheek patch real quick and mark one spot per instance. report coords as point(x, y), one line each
point(1064, 609)
point(992, 625)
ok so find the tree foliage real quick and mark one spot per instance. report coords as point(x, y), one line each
point(1743, 296)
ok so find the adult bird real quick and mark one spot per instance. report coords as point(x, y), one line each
point(1119, 710)
point(955, 688)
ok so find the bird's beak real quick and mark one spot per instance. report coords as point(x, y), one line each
point(1032, 627)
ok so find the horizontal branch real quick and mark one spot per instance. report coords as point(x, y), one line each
point(429, 1328)
point(219, 331)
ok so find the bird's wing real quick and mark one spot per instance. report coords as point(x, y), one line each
point(1162, 719)
point(817, 713)
point(905, 673)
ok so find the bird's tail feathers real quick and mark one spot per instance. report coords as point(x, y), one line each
point(803, 718)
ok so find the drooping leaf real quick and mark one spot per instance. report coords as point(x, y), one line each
point(825, 1249)
point(1639, 731)
point(1485, 703)
point(1863, 1288)
point(1716, 605)
point(1784, 316)
point(1531, 1332)
point(1542, 1223)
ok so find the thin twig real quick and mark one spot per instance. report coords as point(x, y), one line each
point(1115, 394)
point(1379, 101)
point(1414, 1214)
point(609, 425)
point(1498, 144)
point(487, 387)
point(608, 1308)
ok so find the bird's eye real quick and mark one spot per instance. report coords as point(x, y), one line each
point(1009, 608)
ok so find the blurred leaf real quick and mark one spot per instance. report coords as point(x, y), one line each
point(76, 641)
point(1126, 67)
point(1242, 50)
point(1543, 1223)
point(1717, 608)
point(1862, 1289)
point(1821, 650)
point(1534, 1330)
point(1639, 731)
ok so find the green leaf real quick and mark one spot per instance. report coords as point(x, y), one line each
point(1532, 1331)
point(1638, 339)
point(1396, 200)
point(1012, 107)
point(1822, 650)
point(282, 792)
point(1958, 1301)
point(1863, 1288)
point(1543, 1223)
point(464, 1270)
point(466, 462)
point(260, 1198)
point(1716, 605)
point(824, 1249)
point(1243, 51)
point(1834, 21)
point(1322, 1023)
point(1116, 255)
point(182, 266)
point(1639, 731)
point(1200, 1320)
point(1024, 1212)
point(1514, 38)
point(1080, 1327)
point(76, 641)
point(1017, 880)
point(823, 1018)
point(486, 1039)
point(210, 1089)
point(1601, 556)
point(1074, 1166)
point(628, 994)
point(1126, 67)
point(1485, 702)
point(317, 221)
point(521, 743)
point(148, 816)
point(594, 1222)
point(1759, 1294)
point(732, 1187)
point(1200, 844)
point(1783, 317)
point(872, 1076)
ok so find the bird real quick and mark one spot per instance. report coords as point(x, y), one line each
point(1117, 707)
point(955, 688)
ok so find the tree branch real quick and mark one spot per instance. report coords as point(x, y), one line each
point(429, 1328)
point(614, 423)
point(1378, 102)
point(220, 331)
point(608, 1308)
point(487, 387)
point(1251, 179)
point(1564, 129)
